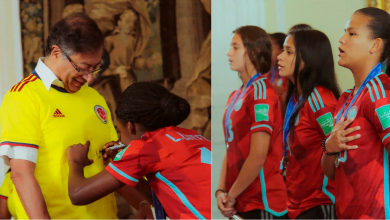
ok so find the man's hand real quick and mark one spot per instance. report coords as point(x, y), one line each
point(78, 154)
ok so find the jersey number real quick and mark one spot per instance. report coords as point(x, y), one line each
point(230, 132)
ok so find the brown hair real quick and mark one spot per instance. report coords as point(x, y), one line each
point(258, 46)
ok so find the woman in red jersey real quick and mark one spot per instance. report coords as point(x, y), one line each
point(360, 166)
point(311, 100)
point(176, 161)
point(279, 83)
point(250, 180)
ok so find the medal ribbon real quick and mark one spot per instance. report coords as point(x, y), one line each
point(291, 108)
point(374, 72)
point(233, 104)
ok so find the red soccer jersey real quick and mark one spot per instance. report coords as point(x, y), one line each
point(279, 83)
point(177, 163)
point(257, 110)
point(307, 186)
point(362, 180)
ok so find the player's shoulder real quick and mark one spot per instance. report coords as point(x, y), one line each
point(378, 87)
point(261, 88)
point(26, 85)
point(320, 97)
point(26, 90)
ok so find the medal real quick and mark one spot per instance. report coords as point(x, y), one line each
point(285, 162)
point(336, 162)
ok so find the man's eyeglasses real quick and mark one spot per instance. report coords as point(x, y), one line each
point(82, 72)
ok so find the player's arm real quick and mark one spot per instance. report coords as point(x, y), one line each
point(4, 194)
point(222, 175)
point(253, 164)
point(83, 190)
point(4, 212)
point(328, 166)
point(28, 189)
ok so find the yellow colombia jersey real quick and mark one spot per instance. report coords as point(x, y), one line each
point(52, 120)
point(6, 191)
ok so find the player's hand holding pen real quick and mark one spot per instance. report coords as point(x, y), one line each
point(111, 149)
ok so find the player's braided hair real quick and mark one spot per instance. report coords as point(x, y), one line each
point(151, 105)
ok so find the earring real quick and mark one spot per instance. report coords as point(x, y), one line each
point(371, 52)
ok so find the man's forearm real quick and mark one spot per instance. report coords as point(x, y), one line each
point(30, 195)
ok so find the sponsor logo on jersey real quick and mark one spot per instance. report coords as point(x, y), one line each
point(326, 123)
point(58, 114)
point(261, 112)
point(383, 113)
point(120, 154)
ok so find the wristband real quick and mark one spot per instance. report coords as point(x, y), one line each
point(326, 152)
point(218, 191)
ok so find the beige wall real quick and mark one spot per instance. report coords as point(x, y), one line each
point(11, 64)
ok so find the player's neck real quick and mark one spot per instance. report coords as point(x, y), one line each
point(361, 72)
point(246, 76)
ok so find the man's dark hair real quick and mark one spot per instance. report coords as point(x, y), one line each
point(76, 33)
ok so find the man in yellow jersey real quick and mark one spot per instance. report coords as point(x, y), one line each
point(50, 110)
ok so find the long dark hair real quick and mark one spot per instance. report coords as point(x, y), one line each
point(380, 28)
point(258, 46)
point(152, 106)
point(313, 48)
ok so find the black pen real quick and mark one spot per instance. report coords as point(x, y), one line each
point(113, 147)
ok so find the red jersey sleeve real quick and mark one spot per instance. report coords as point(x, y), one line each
point(263, 105)
point(376, 106)
point(132, 163)
point(322, 106)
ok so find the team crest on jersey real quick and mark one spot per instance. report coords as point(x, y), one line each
point(238, 105)
point(352, 113)
point(326, 122)
point(383, 113)
point(101, 113)
point(261, 112)
point(279, 83)
point(120, 154)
